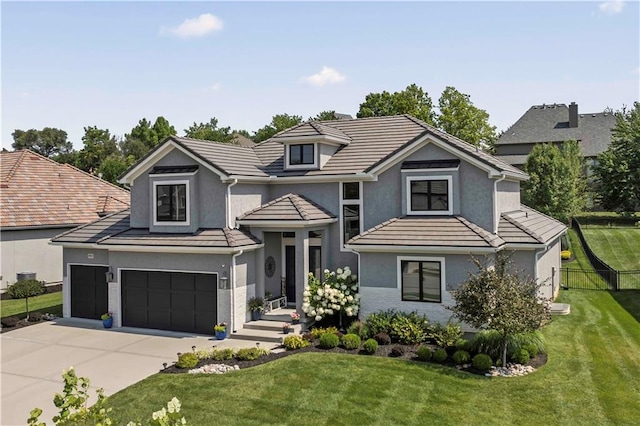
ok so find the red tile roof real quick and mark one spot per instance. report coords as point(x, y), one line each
point(37, 191)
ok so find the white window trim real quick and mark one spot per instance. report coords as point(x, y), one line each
point(187, 222)
point(443, 279)
point(449, 180)
point(344, 202)
point(290, 166)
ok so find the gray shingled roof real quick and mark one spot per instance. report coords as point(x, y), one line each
point(420, 231)
point(289, 207)
point(550, 123)
point(115, 230)
point(528, 226)
point(370, 142)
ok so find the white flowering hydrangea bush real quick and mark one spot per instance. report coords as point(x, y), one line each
point(337, 295)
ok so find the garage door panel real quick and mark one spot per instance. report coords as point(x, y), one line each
point(175, 301)
point(89, 293)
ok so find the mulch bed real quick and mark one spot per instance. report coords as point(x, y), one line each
point(383, 351)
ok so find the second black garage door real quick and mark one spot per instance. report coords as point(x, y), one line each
point(176, 301)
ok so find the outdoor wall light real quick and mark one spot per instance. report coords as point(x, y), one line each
point(224, 281)
point(109, 276)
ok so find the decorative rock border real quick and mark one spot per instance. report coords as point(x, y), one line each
point(511, 370)
point(214, 369)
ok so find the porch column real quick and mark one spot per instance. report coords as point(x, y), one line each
point(259, 265)
point(326, 251)
point(302, 264)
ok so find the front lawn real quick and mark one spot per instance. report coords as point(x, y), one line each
point(619, 247)
point(591, 378)
point(48, 302)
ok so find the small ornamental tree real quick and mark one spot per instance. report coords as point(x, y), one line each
point(498, 300)
point(24, 289)
point(338, 294)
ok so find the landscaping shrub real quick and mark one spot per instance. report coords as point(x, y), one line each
point(532, 349)
point(490, 342)
point(397, 351)
point(26, 288)
point(440, 355)
point(329, 341)
point(445, 336)
point(295, 342)
point(9, 322)
point(521, 357)
point(382, 338)
point(463, 345)
point(482, 362)
point(321, 331)
point(461, 357)
point(358, 328)
point(408, 329)
point(565, 255)
point(308, 336)
point(370, 346)
point(351, 341)
point(187, 360)
point(249, 354)
point(380, 322)
point(35, 316)
point(424, 353)
point(222, 354)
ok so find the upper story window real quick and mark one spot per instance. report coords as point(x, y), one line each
point(303, 154)
point(171, 205)
point(429, 195)
point(421, 279)
point(350, 210)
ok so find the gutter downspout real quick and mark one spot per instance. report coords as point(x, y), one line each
point(228, 201)
point(496, 214)
point(233, 289)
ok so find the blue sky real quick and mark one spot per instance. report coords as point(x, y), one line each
point(109, 64)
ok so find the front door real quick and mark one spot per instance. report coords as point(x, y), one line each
point(290, 273)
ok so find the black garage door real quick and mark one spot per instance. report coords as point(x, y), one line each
point(177, 301)
point(89, 295)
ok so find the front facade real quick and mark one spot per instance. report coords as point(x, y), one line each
point(40, 199)
point(212, 225)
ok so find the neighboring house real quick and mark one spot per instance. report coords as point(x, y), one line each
point(556, 123)
point(211, 225)
point(39, 199)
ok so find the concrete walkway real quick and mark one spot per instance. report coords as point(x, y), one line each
point(34, 357)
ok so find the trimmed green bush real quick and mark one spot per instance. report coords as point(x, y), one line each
point(351, 341)
point(445, 336)
point(532, 349)
point(461, 357)
point(439, 356)
point(35, 316)
point(329, 341)
point(222, 354)
point(407, 330)
point(9, 322)
point(370, 346)
point(463, 345)
point(424, 353)
point(249, 354)
point(358, 328)
point(482, 362)
point(317, 333)
point(295, 342)
point(490, 342)
point(187, 360)
point(521, 357)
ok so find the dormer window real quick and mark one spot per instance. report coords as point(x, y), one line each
point(429, 195)
point(301, 154)
point(171, 205)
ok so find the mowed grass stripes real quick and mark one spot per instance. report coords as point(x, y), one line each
point(619, 247)
point(592, 378)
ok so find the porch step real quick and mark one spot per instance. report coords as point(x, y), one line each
point(263, 335)
point(284, 315)
point(268, 325)
point(560, 309)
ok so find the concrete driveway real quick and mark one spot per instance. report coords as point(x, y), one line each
point(33, 359)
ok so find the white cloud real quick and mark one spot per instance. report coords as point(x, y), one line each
point(326, 76)
point(196, 27)
point(636, 71)
point(611, 7)
point(213, 87)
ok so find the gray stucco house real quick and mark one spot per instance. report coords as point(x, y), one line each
point(211, 225)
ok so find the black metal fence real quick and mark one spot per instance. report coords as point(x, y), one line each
point(603, 277)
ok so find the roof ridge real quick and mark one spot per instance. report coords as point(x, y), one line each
point(235, 145)
point(270, 203)
point(23, 153)
point(228, 237)
point(295, 201)
point(478, 230)
point(521, 227)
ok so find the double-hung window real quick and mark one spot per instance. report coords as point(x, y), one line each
point(421, 279)
point(351, 206)
point(171, 203)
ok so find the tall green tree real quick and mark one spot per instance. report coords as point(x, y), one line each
point(556, 186)
point(497, 299)
point(324, 116)
point(413, 100)
point(460, 118)
point(209, 131)
point(278, 123)
point(617, 173)
point(98, 145)
point(144, 137)
point(48, 142)
point(112, 167)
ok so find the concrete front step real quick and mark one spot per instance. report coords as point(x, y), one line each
point(268, 325)
point(261, 335)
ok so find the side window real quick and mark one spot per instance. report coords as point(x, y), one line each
point(351, 210)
